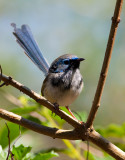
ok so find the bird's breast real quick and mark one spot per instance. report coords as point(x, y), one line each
point(61, 88)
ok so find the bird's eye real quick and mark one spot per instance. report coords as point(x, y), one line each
point(54, 66)
point(66, 61)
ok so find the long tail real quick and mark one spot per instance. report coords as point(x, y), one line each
point(26, 40)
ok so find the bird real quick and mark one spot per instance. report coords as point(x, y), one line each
point(63, 81)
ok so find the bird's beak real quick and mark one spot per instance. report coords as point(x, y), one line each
point(80, 59)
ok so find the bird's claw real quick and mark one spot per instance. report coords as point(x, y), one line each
point(56, 106)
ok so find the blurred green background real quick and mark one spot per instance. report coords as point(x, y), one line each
point(60, 27)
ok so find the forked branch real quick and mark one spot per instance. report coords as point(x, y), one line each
point(81, 131)
point(75, 134)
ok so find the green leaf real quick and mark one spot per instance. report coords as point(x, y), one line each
point(82, 116)
point(112, 130)
point(20, 151)
point(79, 115)
point(28, 156)
point(24, 110)
point(45, 156)
point(27, 101)
point(56, 118)
point(93, 157)
point(50, 117)
point(14, 132)
point(24, 100)
point(3, 154)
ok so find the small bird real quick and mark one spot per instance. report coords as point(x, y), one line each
point(63, 81)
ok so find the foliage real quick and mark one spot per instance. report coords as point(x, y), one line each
point(114, 132)
point(93, 157)
point(39, 114)
point(3, 154)
point(23, 153)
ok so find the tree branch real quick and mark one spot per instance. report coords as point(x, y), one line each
point(52, 132)
point(105, 66)
point(76, 134)
point(107, 146)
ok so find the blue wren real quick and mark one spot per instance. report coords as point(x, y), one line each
point(63, 81)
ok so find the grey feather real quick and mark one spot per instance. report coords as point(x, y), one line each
point(26, 40)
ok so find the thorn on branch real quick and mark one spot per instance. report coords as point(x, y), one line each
point(115, 21)
point(103, 74)
point(98, 105)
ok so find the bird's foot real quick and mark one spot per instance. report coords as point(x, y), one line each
point(56, 106)
point(71, 112)
point(82, 123)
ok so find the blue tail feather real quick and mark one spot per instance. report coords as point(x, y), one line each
point(26, 40)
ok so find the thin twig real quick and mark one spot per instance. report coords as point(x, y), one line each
point(8, 141)
point(10, 147)
point(105, 66)
point(0, 73)
point(76, 134)
point(1, 85)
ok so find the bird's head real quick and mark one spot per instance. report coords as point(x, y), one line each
point(65, 62)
